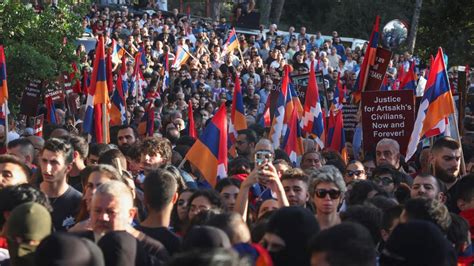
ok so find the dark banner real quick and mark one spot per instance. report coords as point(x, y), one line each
point(387, 114)
point(31, 98)
point(377, 71)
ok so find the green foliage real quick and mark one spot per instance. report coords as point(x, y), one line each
point(37, 46)
point(450, 25)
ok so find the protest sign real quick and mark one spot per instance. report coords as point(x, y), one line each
point(55, 92)
point(387, 114)
point(378, 70)
point(38, 125)
point(31, 98)
point(349, 114)
point(301, 84)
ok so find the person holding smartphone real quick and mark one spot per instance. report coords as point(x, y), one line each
point(265, 175)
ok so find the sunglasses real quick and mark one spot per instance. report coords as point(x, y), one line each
point(383, 180)
point(333, 194)
point(356, 172)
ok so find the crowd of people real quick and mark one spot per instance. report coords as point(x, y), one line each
point(66, 200)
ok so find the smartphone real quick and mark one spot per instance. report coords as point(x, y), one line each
point(263, 157)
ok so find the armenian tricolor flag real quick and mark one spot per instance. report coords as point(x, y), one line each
point(409, 79)
point(95, 120)
point(209, 152)
point(232, 43)
point(3, 89)
point(435, 108)
point(118, 112)
point(369, 60)
point(237, 116)
point(146, 127)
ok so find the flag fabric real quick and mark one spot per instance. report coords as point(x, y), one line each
point(191, 126)
point(237, 116)
point(3, 77)
point(97, 97)
point(339, 93)
point(85, 81)
point(231, 44)
point(50, 111)
point(284, 103)
point(336, 136)
point(409, 79)
point(293, 141)
point(76, 83)
point(146, 127)
point(3, 89)
point(312, 120)
point(209, 152)
point(109, 74)
point(138, 83)
point(117, 52)
point(142, 52)
point(369, 60)
point(435, 108)
point(166, 73)
point(295, 100)
point(265, 120)
point(124, 76)
point(118, 111)
point(181, 57)
point(385, 84)
point(38, 125)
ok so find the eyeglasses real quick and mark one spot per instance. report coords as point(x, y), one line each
point(383, 180)
point(321, 193)
point(355, 172)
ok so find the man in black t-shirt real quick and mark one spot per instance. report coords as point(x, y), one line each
point(56, 162)
point(80, 151)
point(160, 190)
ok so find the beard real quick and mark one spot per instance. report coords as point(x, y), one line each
point(444, 175)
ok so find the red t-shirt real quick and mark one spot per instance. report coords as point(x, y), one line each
point(3, 243)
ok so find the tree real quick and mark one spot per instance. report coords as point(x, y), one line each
point(265, 7)
point(215, 9)
point(37, 45)
point(277, 9)
point(414, 26)
point(450, 25)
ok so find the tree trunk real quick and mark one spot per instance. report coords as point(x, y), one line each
point(215, 9)
point(277, 10)
point(414, 26)
point(264, 8)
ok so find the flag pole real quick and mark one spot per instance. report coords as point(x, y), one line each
point(5, 107)
point(240, 52)
point(104, 123)
point(458, 136)
point(180, 166)
point(192, 56)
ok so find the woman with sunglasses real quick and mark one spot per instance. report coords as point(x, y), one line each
point(354, 171)
point(327, 193)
